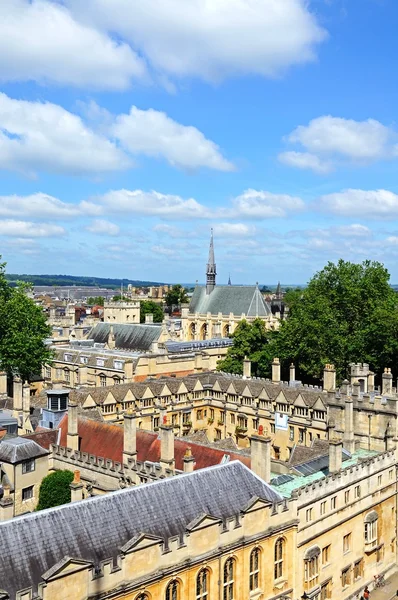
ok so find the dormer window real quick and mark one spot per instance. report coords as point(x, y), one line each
point(100, 362)
point(67, 357)
point(118, 364)
point(84, 360)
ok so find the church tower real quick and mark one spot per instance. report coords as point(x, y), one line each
point(211, 268)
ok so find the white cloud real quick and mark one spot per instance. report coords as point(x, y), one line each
point(163, 250)
point(236, 230)
point(37, 205)
point(41, 41)
point(103, 227)
point(153, 133)
point(352, 231)
point(330, 140)
point(377, 204)
point(259, 204)
point(37, 136)
point(305, 160)
point(210, 39)
point(171, 231)
point(13, 228)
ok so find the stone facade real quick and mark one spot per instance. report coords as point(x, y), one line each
point(121, 312)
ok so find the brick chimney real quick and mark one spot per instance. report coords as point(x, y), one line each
point(72, 436)
point(189, 461)
point(166, 445)
point(130, 436)
point(329, 377)
point(335, 455)
point(276, 371)
point(76, 488)
point(386, 382)
point(247, 368)
point(349, 437)
point(17, 395)
point(6, 504)
point(292, 372)
point(261, 455)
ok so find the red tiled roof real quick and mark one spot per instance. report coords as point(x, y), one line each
point(44, 437)
point(105, 440)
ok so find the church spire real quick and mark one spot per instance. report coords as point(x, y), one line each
point(229, 279)
point(211, 271)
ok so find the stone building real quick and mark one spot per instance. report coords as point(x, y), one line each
point(121, 312)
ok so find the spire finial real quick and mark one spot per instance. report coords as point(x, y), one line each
point(229, 279)
point(211, 271)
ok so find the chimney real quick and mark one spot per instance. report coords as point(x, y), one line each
point(247, 368)
point(329, 378)
point(349, 438)
point(17, 395)
point(111, 342)
point(276, 371)
point(386, 386)
point(76, 488)
point(335, 455)
point(371, 381)
point(355, 389)
point(149, 318)
point(73, 436)
point(3, 383)
point(25, 403)
point(6, 504)
point(390, 441)
point(292, 372)
point(344, 387)
point(188, 461)
point(261, 455)
point(129, 437)
point(166, 445)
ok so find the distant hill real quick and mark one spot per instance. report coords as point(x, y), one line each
point(71, 280)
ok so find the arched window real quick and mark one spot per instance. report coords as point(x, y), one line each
point(371, 529)
point(172, 591)
point(103, 380)
point(278, 558)
point(228, 584)
point(202, 585)
point(254, 569)
point(311, 566)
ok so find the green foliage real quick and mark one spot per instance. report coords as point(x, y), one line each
point(23, 330)
point(70, 280)
point(251, 340)
point(55, 490)
point(348, 313)
point(120, 298)
point(175, 296)
point(148, 307)
point(95, 301)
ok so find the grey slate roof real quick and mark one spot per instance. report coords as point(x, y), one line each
point(236, 299)
point(15, 450)
point(96, 528)
point(127, 336)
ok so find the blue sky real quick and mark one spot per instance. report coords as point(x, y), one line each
point(128, 129)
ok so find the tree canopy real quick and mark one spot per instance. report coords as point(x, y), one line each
point(96, 300)
point(23, 330)
point(55, 490)
point(175, 296)
point(148, 307)
point(347, 313)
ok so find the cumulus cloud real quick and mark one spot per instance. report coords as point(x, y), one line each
point(37, 205)
point(259, 204)
point(328, 140)
point(41, 41)
point(103, 227)
point(22, 229)
point(171, 231)
point(235, 37)
point(377, 204)
point(236, 230)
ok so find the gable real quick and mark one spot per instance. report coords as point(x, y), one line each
point(147, 393)
point(182, 389)
point(231, 389)
point(202, 521)
point(247, 392)
point(89, 402)
point(198, 387)
point(140, 542)
point(216, 387)
point(299, 401)
point(66, 566)
point(110, 399)
point(319, 405)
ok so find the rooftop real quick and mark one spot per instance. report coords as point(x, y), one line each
point(17, 449)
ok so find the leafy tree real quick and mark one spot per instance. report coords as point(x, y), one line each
point(348, 313)
point(175, 296)
point(23, 330)
point(96, 300)
point(148, 307)
point(120, 298)
point(251, 340)
point(55, 490)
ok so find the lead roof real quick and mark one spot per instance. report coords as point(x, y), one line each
point(235, 299)
point(17, 449)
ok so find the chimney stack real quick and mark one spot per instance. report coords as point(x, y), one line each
point(17, 395)
point(276, 371)
point(355, 389)
point(386, 386)
point(129, 437)
point(166, 445)
point(261, 455)
point(149, 318)
point(72, 436)
point(76, 488)
point(6, 504)
point(3, 383)
point(247, 368)
point(349, 437)
point(329, 378)
point(292, 372)
point(188, 461)
point(344, 387)
point(335, 455)
point(371, 381)
point(25, 403)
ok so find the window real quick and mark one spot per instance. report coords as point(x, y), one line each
point(28, 465)
point(199, 415)
point(222, 418)
point(67, 375)
point(155, 422)
point(346, 577)
point(278, 558)
point(186, 418)
point(311, 566)
point(358, 569)
point(326, 590)
point(202, 585)
point(212, 413)
point(100, 362)
point(84, 360)
point(272, 427)
point(301, 435)
point(27, 493)
point(323, 508)
point(118, 364)
point(228, 583)
point(232, 419)
point(346, 497)
point(254, 569)
point(379, 479)
point(357, 491)
point(48, 372)
point(67, 357)
point(371, 528)
point(172, 591)
point(333, 502)
point(255, 424)
point(308, 515)
point(326, 555)
point(291, 433)
point(310, 436)
point(103, 380)
point(347, 542)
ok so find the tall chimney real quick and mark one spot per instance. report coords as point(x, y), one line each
point(129, 437)
point(76, 488)
point(355, 389)
point(3, 383)
point(247, 368)
point(329, 378)
point(292, 372)
point(73, 436)
point(386, 385)
point(25, 403)
point(349, 437)
point(6, 504)
point(188, 461)
point(261, 455)
point(276, 371)
point(149, 318)
point(344, 387)
point(335, 455)
point(17, 395)
point(166, 445)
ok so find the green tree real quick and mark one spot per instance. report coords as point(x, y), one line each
point(55, 490)
point(348, 313)
point(175, 296)
point(120, 298)
point(251, 340)
point(148, 307)
point(96, 300)
point(23, 330)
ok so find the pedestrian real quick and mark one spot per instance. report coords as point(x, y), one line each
point(366, 593)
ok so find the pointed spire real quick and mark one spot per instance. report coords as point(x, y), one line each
point(211, 271)
point(229, 279)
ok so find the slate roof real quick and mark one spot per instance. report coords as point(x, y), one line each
point(43, 437)
point(95, 529)
point(18, 449)
point(127, 336)
point(236, 299)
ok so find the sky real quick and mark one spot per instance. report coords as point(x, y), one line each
point(129, 129)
